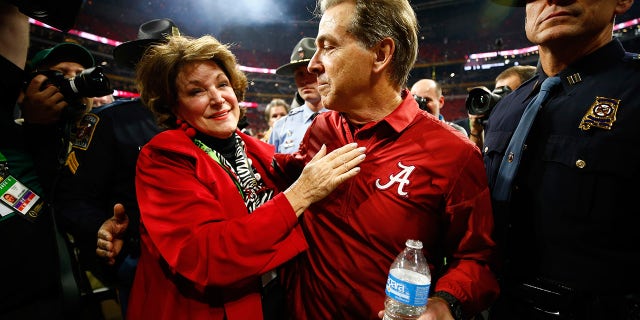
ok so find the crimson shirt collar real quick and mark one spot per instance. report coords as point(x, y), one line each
point(404, 114)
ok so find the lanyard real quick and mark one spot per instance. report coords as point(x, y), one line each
point(216, 156)
point(4, 167)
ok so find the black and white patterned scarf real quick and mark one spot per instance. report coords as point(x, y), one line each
point(244, 175)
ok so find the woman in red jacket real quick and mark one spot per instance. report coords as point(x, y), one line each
point(213, 224)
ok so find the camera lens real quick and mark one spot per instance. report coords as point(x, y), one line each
point(90, 83)
point(481, 101)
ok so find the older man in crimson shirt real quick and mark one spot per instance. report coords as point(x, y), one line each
point(421, 179)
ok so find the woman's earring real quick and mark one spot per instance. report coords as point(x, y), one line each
point(188, 130)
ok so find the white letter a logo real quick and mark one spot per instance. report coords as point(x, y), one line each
point(402, 178)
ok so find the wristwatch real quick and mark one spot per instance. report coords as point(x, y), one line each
point(454, 304)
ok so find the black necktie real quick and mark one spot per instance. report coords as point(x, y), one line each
point(313, 116)
point(513, 154)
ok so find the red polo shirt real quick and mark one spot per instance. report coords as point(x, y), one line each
point(421, 180)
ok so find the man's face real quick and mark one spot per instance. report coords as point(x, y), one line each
point(101, 101)
point(307, 84)
point(69, 70)
point(343, 65)
point(550, 22)
point(426, 89)
point(512, 81)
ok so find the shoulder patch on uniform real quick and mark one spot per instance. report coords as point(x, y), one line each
point(83, 133)
point(296, 110)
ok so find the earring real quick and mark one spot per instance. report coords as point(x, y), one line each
point(189, 131)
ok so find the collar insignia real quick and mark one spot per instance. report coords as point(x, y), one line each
point(574, 78)
point(601, 114)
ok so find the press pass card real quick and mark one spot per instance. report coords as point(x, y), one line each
point(19, 198)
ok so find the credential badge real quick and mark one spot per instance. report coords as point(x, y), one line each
point(401, 178)
point(601, 114)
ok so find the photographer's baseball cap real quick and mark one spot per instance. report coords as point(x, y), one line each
point(62, 52)
point(511, 3)
point(129, 53)
point(301, 55)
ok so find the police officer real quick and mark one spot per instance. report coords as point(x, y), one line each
point(568, 230)
point(100, 169)
point(288, 131)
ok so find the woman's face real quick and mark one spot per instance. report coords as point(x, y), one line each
point(206, 100)
point(10, 198)
point(276, 113)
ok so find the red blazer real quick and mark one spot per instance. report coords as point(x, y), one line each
point(202, 252)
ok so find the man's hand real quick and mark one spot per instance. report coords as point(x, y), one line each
point(111, 233)
point(42, 107)
point(476, 129)
point(437, 309)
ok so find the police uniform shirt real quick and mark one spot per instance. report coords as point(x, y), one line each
point(573, 212)
point(287, 132)
point(100, 169)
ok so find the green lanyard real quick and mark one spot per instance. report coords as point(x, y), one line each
point(4, 166)
point(214, 156)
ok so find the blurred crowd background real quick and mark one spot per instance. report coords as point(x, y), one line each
point(262, 32)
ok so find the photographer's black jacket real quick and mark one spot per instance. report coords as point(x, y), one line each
point(30, 286)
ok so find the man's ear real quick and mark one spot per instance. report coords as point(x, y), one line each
point(384, 52)
point(623, 6)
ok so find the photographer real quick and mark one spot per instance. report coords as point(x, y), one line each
point(428, 94)
point(70, 85)
point(59, 86)
point(507, 81)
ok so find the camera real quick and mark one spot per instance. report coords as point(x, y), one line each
point(481, 101)
point(89, 83)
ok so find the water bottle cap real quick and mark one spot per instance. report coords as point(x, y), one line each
point(415, 244)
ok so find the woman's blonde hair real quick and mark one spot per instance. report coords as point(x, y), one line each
point(158, 69)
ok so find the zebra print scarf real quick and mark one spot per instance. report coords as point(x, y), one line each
point(245, 177)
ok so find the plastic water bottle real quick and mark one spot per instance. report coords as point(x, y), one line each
point(408, 284)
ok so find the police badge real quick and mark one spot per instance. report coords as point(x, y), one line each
point(601, 114)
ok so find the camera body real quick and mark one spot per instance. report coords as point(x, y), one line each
point(481, 101)
point(89, 83)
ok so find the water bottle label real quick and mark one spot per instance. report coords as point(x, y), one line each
point(407, 292)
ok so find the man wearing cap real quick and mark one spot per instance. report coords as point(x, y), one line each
point(44, 106)
point(51, 117)
point(288, 131)
point(566, 217)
